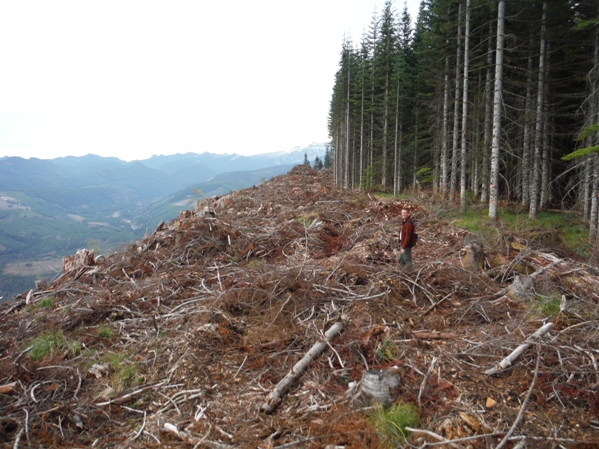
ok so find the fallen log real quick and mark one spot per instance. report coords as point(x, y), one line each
point(506, 362)
point(435, 335)
point(275, 396)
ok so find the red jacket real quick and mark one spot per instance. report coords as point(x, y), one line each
point(406, 233)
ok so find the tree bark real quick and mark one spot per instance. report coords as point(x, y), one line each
point(528, 104)
point(536, 162)
point(445, 131)
point(495, 141)
point(465, 112)
point(488, 98)
point(456, 110)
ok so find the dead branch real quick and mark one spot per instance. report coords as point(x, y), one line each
point(124, 398)
point(506, 362)
point(434, 335)
point(524, 404)
point(274, 398)
point(435, 436)
point(430, 371)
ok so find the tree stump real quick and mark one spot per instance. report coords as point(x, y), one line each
point(472, 257)
point(378, 386)
point(83, 258)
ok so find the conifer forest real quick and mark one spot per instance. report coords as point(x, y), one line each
point(484, 100)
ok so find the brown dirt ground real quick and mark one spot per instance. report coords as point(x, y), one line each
point(192, 327)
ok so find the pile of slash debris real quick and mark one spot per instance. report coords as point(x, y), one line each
point(257, 319)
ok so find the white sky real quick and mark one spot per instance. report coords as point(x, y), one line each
point(133, 78)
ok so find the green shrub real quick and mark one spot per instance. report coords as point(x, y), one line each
point(122, 373)
point(386, 350)
point(45, 343)
point(390, 423)
point(546, 306)
point(105, 332)
point(48, 301)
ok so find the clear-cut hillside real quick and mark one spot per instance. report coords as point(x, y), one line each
point(178, 340)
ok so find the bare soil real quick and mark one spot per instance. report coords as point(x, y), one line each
point(178, 340)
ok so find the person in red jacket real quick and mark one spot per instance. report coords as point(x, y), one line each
point(406, 240)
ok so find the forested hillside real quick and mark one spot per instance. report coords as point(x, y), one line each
point(482, 99)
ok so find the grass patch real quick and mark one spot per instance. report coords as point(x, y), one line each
point(122, 372)
point(48, 301)
point(45, 343)
point(49, 341)
point(308, 218)
point(105, 332)
point(390, 423)
point(546, 306)
point(572, 232)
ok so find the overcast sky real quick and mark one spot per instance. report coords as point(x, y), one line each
point(133, 78)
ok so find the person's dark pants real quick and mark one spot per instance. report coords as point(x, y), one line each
point(405, 259)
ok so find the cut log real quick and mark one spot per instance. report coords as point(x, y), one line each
point(275, 396)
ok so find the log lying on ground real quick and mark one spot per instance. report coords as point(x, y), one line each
point(506, 362)
point(275, 396)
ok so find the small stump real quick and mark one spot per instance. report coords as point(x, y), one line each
point(378, 387)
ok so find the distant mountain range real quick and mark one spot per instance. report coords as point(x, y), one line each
point(49, 208)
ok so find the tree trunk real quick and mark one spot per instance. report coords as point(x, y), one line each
point(346, 169)
point(528, 104)
point(445, 131)
point(397, 143)
point(546, 152)
point(465, 112)
point(593, 217)
point(536, 161)
point(493, 188)
point(456, 116)
point(488, 99)
point(594, 140)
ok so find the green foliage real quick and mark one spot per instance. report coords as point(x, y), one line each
point(318, 165)
point(367, 179)
point(45, 343)
point(546, 306)
point(572, 229)
point(12, 285)
point(386, 350)
point(48, 301)
point(585, 24)
point(588, 131)
point(328, 158)
point(391, 423)
point(122, 373)
point(582, 152)
point(425, 175)
point(105, 332)
point(307, 219)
